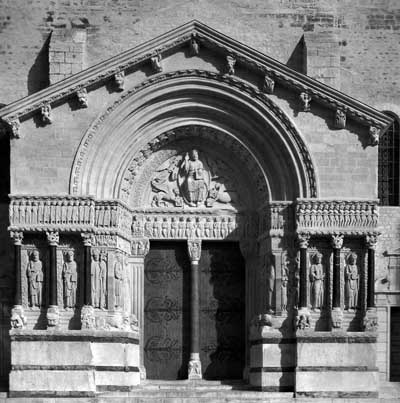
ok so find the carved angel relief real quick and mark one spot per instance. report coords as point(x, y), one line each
point(186, 180)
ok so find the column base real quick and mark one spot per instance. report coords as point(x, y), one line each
point(88, 320)
point(194, 367)
point(18, 318)
point(143, 374)
point(53, 317)
point(370, 322)
point(336, 319)
point(303, 319)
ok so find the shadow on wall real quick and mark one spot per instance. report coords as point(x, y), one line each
point(38, 76)
point(297, 60)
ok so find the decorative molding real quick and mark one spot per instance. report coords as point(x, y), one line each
point(346, 216)
point(194, 249)
point(45, 111)
point(82, 97)
point(337, 241)
point(275, 218)
point(230, 80)
point(206, 37)
point(340, 119)
point(53, 238)
point(17, 237)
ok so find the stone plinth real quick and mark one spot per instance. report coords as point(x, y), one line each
point(272, 359)
point(336, 365)
point(72, 363)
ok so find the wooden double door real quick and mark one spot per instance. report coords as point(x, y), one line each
point(167, 311)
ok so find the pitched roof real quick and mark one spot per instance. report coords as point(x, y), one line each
point(216, 41)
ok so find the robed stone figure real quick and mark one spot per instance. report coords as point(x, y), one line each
point(317, 276)
point(70, 278)
point(34, 273)
point(352, 282)
point(99, 278)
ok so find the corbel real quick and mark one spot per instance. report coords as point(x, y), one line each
point(119, 80)
point(45, 111)
point(374, 135)
point(82, 96)
point(194, 45)
point(268, 84)
point(230, 65)
point(156, 63)
point(14, 126)
point(305, 99)
point(340, 119)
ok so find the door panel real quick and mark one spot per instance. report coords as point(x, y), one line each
point(166, 311)
point(395, 345)
point(222, 309)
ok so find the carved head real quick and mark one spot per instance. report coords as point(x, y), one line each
point(35, 256)
point(317, 258)
point(69, 256)
point(194, 155)
point(95, 255)
point(352, 259)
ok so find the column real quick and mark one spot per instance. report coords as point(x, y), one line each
point(52, 310)
point(18, 319)
point(139, 249)
point(336, 313)
point(303, 313)
point(194, 367)
point(88, 320)
point(370, 322)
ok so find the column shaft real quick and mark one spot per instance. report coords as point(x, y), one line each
point(53, 275)
point(371, 279)
point(303, 278)
point(17, 270)
point(87, 287)
point(336, 278)
point(194, 308)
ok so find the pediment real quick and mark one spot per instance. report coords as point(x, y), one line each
point(197, 39)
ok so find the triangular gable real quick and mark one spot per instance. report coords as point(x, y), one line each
point(240, 54)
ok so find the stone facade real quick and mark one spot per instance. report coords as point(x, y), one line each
point(100, 164)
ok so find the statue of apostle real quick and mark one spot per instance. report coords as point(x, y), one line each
point(34, 272)
point(351, 278)
point(118, 281)
point(98, 278)
point(194, 185)
point(317, 276)
point(70, 278)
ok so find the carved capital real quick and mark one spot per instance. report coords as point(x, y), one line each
point(230, 65)
point(14, 126)
point(156, 63)
point(268, 84)
point(88, 238)
point(119, 80)
point(374, 133)
point(371, 241)
point(17, 237)
point(340, 119)
point(194, 46)
point(305, 99)
point(140, 247)
point(53, 238)
point(82, 96)
point(45, 111)
point(194, 249)
point(303, 240)
point(337, 241)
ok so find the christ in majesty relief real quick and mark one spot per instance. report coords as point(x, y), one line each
point(194, 185)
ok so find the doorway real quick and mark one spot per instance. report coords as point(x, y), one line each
point(167, 311)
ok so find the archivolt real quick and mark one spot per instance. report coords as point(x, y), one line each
point(193, 97)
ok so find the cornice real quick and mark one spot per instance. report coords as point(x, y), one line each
point(209, 38)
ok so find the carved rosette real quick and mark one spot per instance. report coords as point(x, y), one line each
point(194, 249)
point(337, 241)
point(17, 237)
point(140, 247)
